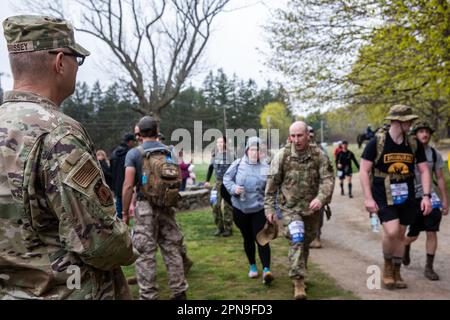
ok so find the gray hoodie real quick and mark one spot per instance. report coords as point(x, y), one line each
point(252, 177)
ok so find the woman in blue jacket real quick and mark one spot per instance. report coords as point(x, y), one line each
point(245, 180)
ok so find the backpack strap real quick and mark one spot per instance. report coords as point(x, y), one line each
point(145, 152)
point(141, 151)
point(434, 153)
point(412, 142)
point(286, 153)
point(380, 142)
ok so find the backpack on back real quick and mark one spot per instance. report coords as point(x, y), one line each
point(161, 177)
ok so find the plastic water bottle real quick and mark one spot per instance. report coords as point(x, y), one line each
point(213, 197)
point(242, 196)
point(144, 179)
point(297, 231)
point(374, 222)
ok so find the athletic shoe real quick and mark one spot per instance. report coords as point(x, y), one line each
point(253, 273)
point(267, 276)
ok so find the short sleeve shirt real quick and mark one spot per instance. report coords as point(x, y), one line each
point(395, 159)
point(438, 165)
point(134, 159)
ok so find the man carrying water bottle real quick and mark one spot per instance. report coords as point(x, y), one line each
point(305, 178)
point(439, 202)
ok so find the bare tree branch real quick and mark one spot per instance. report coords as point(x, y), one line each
point(157, 43)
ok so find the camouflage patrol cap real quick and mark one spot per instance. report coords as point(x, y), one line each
point(422, 125)
point(27, 33)
point(401, 113)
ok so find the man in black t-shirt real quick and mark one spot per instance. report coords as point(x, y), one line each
point(390, 158)
point(344, 161)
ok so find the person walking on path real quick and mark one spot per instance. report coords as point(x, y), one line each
point(305, 177)
point(430, 223)
point(390, 159)
point(245, 180)
point(344, 161)
point(220, 162)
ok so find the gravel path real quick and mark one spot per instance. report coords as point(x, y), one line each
point(350, 247)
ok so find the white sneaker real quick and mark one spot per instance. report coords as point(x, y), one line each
point(253, 274)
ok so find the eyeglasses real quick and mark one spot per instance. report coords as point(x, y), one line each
point(80, 58)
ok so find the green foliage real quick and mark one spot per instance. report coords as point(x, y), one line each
point(365, 56)
point(243, 102)
point(108, 114)
point(275, 115)
point(105, 114)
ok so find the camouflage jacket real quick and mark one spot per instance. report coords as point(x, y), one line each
point(301, 177)
point(57, 216)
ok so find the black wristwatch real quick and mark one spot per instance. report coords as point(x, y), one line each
point(426, 195)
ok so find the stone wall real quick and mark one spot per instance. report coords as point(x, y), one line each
point(194, 199)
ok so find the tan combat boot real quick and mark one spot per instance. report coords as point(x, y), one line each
point(399, 282)
point(316, 244)
point(299, 289)
point(388, 275)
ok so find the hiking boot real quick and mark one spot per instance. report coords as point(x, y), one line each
point(227, 233)
point(406, 258)
point(132, 281)
point(299, 289)
point(388, 275)
point(316, 244)
point(187, 265)
point(253, 272)
point(267, 276)
point(399, 282)
point(179, 296)
point(218, 233)
point(430, 274)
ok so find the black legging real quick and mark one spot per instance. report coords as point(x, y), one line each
point(250, 224)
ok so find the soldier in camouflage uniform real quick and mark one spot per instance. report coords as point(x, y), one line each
point(220, 162)
point(305, 177)
point(154, 225)
point(59, 238)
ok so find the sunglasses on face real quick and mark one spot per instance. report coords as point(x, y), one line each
point(79, 57)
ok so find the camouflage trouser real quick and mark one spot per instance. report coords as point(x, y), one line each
point(157, 227)
point(298, 253)
point(222, 218)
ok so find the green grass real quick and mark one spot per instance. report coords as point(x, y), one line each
point(220, 268)
point(201, 171)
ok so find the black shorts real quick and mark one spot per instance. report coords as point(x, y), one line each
point(405, 212)
point(346, 172)
point(430, 222)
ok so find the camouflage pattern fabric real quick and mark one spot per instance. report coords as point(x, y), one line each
point(28, 33)
point(299, 252)
point(301, 177)
point(155, 226)
point(56, 211)
point(223, 218)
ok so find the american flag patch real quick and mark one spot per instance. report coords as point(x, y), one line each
point(86, 174)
